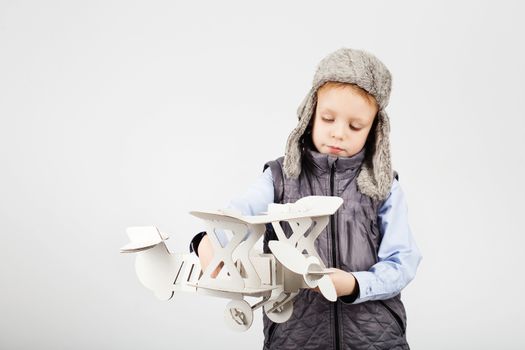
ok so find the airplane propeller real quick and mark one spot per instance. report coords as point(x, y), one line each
point(310, 268)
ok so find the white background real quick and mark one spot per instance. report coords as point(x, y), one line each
point(115, 114)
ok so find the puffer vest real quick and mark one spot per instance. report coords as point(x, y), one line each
point(350, 242)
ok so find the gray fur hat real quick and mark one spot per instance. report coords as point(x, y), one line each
point(370, 74)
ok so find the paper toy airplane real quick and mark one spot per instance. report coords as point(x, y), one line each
point(276, 278)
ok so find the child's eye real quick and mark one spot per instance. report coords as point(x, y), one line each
point(354, 127)
point(327, 119)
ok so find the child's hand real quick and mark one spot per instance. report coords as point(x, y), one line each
point(206, 255)
point(344, 282)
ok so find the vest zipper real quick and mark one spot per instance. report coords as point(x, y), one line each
point(333, 227)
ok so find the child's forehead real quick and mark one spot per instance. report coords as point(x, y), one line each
point(359, 95)
point(331, 86)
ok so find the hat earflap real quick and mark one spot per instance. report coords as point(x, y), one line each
point(376, 176)
point(292, 159)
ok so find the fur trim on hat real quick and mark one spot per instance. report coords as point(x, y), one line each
point(366, 71)
point(376, 176)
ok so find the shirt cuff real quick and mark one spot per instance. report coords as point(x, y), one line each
point(365, 280)
point(194, 245)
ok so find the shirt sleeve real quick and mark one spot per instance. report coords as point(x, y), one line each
point(257, 197)
point(253, 201)
point(398, 253)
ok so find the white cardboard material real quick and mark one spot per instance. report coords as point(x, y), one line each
point(276, 278)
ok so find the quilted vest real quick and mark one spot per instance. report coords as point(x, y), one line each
point(350, 242)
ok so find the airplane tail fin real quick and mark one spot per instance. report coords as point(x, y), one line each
point(143, 238)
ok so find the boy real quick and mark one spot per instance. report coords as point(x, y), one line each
point(341, 148)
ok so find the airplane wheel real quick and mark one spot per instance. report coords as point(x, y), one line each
point(281, 314)
point(238, 315)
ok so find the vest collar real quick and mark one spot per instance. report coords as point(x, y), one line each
point(344, 166)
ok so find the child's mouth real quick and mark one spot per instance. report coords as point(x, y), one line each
point(334, 149)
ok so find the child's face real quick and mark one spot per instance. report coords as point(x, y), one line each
point(343, 118)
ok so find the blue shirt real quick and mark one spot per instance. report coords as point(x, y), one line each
point(398, 254)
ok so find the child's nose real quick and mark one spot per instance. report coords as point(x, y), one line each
point(338, 131)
